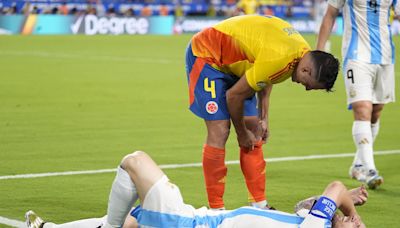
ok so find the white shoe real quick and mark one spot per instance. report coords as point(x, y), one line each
point(358, 172)
point(373, 180)
point(33, 220)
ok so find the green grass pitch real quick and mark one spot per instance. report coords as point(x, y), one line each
point(70, 103)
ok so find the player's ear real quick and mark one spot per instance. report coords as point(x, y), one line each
point(306, 69)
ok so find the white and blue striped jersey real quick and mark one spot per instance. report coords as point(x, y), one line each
point(367, 36)
point(163, 207)
point(243, 217)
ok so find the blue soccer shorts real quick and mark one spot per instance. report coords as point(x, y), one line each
point(207, 90)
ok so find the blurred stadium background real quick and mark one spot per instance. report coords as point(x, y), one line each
point(72, 99)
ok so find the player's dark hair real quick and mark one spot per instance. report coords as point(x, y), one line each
point(327, 68)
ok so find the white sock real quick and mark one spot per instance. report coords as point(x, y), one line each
point(84, 223)
point(260, 204)
point(122, 197)
point(375, 129)
point(362, 136)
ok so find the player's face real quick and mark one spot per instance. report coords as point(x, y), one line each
point(346, 222)
point(306, 76)
point(305, 73)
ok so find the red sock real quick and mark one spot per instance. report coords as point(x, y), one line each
point(214, 170)
point(253, 168)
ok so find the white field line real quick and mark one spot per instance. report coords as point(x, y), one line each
point(20, 224)
point(11, 222)
point(188, 165)
point(42, 54)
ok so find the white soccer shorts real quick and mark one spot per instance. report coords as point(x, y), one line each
point(369, 82)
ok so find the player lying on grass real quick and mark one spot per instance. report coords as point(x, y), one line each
point(161, 205)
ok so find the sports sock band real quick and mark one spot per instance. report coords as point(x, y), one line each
point(253, 165)
point(215, 171)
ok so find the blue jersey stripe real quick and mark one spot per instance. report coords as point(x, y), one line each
point(352, 49)
point(159, 219)
point(374, 34)
point(390, 34)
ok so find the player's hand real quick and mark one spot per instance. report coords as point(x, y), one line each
point(247, 140)
point(359, 195)
point(263, 131)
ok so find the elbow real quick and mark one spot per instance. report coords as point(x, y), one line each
point(337, 185)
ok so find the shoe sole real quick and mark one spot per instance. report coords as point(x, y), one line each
point(375, 182)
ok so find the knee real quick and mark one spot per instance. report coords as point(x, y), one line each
point(337, 185)
point(133, 160)
point(362, 114)
point(362, 110)
point(219, 134)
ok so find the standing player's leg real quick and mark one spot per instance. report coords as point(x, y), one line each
point(362, 133)
point(213, 160)
point(375, 123)
point(359, 80)
point(253, 167)
point(207, 99)
point(383, 93)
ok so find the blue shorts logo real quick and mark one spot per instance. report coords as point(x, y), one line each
point(212, 107)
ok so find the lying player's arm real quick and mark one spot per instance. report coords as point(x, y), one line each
point(326, 26)
point(235, 98)
point(263, 107)
point(337, 192)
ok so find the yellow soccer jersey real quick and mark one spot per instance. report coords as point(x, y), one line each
point(265, 49)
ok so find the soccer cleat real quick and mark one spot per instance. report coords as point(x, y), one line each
point(373, 180)
point(358, 172)
point(268, 207)
point(33, 220)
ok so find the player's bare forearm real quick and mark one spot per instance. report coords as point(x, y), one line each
point(338, 193)
point(263, 110)
point(235, 98)
point(235, 104)
point(326, 26)
point(263, 102)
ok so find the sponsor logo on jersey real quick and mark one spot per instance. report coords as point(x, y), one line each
point(290, 31)
point(212, 107)
point(261, 85)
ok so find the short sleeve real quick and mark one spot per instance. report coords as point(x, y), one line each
point(259, 75)
point(338, 4)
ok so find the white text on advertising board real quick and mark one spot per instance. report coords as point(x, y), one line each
point(113, 25)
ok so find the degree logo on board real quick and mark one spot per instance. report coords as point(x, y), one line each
point(212, 107)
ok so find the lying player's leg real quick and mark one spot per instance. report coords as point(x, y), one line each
point(135, 176)
point(34, 221)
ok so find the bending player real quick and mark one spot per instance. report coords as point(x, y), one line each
point(162, 205)
point(231, 68)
